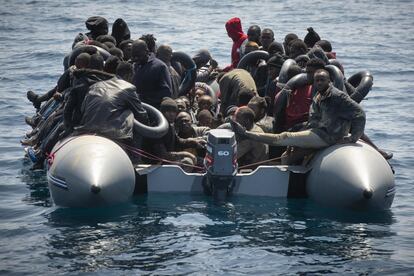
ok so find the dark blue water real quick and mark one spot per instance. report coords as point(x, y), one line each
point(180, 234)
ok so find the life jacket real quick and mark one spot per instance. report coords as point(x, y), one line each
point(297, 109)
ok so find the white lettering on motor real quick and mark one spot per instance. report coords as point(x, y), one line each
point(223, 153)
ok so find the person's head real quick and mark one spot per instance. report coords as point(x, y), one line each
point(109, 44)
point(164, 53)
point(266, 37)
point(126, 48)
point(321, 80)
point(96, 62)
point(183, 124)
point(275, 48)
point(325, 45)
point(125, 71)
point(117, 52)
point(186, 100)
point(293, 70)
point(181, 104)
point(302, 60)
point(111, 64)
point(245, 96)
point(251, 46)
point(106, 38)
point(253, 34)
point(120, 31)
point(205, 118)
point(296, 48)
point(259, 106)
point(151, 42)
point(311, 38)
point(313, 65)
point(274, 64)
point(245, 116)
point(169, 108)
point(82, 60)
point(201, 58)
point(139, 51)
point(234, 28)
point(205, 102)
point(199, 92)
point(230, 111)
point(289, 38)
point(97, 25)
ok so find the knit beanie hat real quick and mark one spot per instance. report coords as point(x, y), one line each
point(96, 23)
point(311, 37)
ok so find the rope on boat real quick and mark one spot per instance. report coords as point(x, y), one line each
point(261, 162)
point(140, 152)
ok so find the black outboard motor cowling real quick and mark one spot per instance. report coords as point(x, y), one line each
point(220, 163)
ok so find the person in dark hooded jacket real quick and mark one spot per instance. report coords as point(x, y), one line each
point(97, 26)
point(120, 31)
point(152, 77)
point(109, 109)
point(311, 37)
point(235, 32)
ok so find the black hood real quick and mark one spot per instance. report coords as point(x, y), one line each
point(120, 31)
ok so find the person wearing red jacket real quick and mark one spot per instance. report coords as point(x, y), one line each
point(235, 32)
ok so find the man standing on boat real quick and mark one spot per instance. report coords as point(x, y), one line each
point(333, 115)
point(235, 32)
point(152, 77)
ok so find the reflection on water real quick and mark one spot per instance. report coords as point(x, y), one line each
point(164, 233)
point(36, 182)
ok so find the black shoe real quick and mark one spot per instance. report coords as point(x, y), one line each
point(387, 155)
point(32, 132)
point(30, 142)
point(32, 96)
point(30, 121)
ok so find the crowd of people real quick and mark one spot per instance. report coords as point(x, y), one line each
point(107, 77)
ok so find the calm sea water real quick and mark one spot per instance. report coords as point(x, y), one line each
point(180, 234)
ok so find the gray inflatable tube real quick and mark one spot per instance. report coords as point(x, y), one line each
point(190, 73)
point(362, 81)
point(283, 76)
point(87, 49)
point(336, 76)
point(252, 58)
point(157, 131)
point(297, 81)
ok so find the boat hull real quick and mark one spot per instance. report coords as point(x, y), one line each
point(88, 171)
point(92, 171)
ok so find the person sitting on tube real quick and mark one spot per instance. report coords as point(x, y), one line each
point(334, 118)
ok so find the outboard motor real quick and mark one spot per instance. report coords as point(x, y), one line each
point(220, 163)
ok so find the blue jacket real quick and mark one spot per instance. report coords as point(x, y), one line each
point(153, 81)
